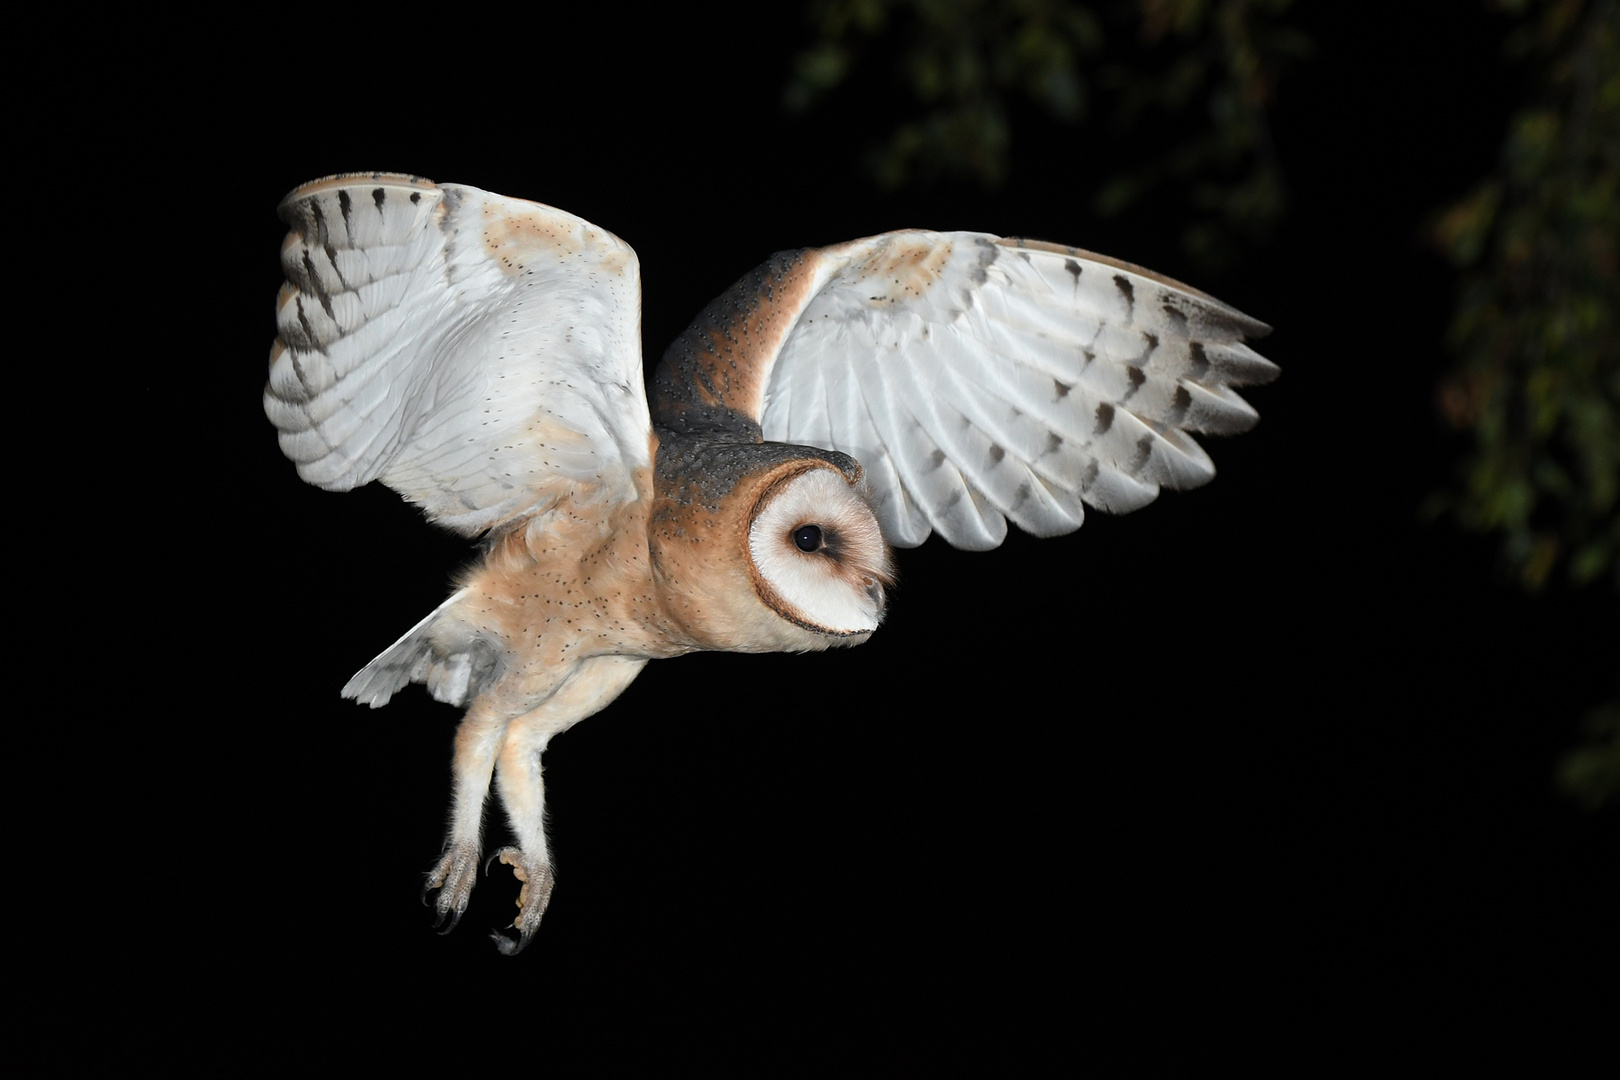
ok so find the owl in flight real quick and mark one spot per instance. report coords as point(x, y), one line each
point(481, 356)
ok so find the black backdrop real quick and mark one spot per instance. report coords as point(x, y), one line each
point(1263, 766)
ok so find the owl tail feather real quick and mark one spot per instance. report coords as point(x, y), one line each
point(451, 677)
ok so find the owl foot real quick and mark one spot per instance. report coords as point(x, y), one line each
point(454, 877)
point(532, 899)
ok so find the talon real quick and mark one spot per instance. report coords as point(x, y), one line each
point(453, 878)
point(537, 879)
point(507, 856)
point(507, 946)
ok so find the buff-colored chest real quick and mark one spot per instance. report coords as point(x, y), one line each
point(552, 597)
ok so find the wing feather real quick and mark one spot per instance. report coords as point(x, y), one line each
point(976, 379)
point(1023, 454)
point(478, 354)
point(1012, 380)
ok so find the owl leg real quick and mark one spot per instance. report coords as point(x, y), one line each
point(478, 740)
point(522, 791)
point(594, 684)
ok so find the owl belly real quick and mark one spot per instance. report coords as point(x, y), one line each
point(546, 609)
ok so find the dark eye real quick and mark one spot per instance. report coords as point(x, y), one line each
point(807, 537)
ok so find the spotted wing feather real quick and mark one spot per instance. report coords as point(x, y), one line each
point(977, 379)
point(478, 354)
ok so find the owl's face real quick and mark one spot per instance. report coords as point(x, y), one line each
point(789, 557)
point(818, 556)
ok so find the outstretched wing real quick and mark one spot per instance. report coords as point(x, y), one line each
point(975, 378)
point(480, 355)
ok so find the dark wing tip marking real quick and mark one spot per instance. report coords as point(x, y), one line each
point(1128, 291)
point(1137, 377)
point(1144, 450)
point(1195, 349)
point(1180, 405)
point(310, 340)
point(319, 291)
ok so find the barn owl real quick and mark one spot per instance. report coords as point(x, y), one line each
point(481, 356)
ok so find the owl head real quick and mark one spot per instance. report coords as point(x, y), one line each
point(764, 547)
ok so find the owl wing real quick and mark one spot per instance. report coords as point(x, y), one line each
point(480, 355)
point(975, 378)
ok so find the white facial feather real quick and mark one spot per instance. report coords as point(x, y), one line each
point(838, 587)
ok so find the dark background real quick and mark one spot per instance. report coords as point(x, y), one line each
point(1264, 767)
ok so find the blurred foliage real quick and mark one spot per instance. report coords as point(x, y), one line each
point(1537, 375)
point(1536, 333)
point(1204, 70)
point(1224, 56)
point(960, 60)
point(1591, 774)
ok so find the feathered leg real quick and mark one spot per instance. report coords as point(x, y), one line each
point(594, 684)
point(478, 741)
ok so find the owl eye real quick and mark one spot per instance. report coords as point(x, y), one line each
point(807, 537)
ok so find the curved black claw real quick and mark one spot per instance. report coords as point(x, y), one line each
point(455, 917)
point(452, 879)
point(509, 947)
point(533, 898)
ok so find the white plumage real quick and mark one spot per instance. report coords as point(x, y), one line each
point(477, 354)
point(481, 356)
point(979, 379)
